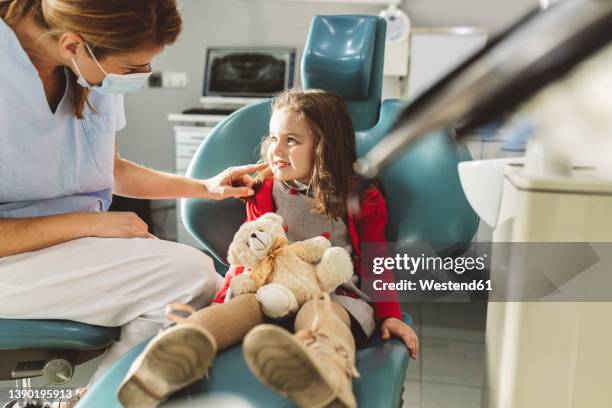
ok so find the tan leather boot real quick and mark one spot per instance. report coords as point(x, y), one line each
point(173, 359)
point(314, 367)
point(182, 354)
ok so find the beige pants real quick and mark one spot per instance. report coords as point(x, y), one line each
point(230, 322)
point(107, 282)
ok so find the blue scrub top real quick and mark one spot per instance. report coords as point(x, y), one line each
point(51, 163)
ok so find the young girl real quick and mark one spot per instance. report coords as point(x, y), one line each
point(310, 152)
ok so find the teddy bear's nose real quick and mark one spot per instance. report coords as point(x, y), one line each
point(253, 235)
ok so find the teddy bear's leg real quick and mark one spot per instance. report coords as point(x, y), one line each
point(276, 300)
point(334, 269)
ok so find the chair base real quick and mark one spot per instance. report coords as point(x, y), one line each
point(9, 359)
point(26, 384)
point(16, 404)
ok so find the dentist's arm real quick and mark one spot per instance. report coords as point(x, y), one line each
point(133, 180)
point(29, 234)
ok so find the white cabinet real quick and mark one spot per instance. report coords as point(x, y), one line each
point(187, 139)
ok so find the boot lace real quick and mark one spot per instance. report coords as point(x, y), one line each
point(321, 343)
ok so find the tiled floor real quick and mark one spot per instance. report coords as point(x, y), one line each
point(449, 371)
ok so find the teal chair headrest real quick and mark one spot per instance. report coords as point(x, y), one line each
point(345, 55)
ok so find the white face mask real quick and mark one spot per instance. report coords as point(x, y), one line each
point(112, 83)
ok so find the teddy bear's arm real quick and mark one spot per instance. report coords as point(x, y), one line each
point(243, 283)
point(311, 250)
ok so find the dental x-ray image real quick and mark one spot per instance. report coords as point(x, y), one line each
point(246, 73)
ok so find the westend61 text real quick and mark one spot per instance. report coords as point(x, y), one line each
point(432, 285)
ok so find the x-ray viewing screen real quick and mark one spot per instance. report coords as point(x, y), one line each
point(248, 71)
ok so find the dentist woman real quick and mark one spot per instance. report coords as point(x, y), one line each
point(64, 65)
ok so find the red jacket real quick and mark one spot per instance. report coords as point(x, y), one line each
point(369, 226)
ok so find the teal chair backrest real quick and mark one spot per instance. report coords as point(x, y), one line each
point(344, 54)
point(233, 142)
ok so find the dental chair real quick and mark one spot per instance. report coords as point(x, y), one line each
point(48, 348)
point(343, 54)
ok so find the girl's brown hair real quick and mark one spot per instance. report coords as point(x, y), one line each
point(328, 119)
point(110, 27)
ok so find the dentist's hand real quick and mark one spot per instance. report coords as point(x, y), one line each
point(118, 225)
point(233, 182)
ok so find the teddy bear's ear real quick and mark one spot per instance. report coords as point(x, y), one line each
point(231, 255)
point(272, 217)
point(231, 259)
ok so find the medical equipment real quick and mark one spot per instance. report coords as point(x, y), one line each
point(549, 353)
point(562, 193)
point(48, 348)
point(535, 51)
point(397, 47)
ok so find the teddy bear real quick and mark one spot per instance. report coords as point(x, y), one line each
point(284, 276)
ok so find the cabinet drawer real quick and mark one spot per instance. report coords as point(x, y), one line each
point(193, 129)
point(186, 150)
point(191, 136)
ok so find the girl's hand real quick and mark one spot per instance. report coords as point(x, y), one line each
point(396, 328)
point(232, 182)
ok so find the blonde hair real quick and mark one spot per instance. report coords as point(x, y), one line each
point(110, 27)
point(329, 122)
